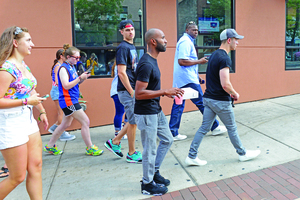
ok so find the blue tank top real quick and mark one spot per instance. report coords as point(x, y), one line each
point(71, 96)
point(53, 73)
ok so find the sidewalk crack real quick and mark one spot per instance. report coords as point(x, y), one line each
point(56, 169)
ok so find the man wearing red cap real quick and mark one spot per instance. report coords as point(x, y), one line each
point(126, 60)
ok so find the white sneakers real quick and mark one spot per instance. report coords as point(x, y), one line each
point(179, 137)
point(65, 136)
point(219, 130)
point(196, 161)
point(250, 154)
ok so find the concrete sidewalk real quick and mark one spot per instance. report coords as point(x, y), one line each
point(269, 125)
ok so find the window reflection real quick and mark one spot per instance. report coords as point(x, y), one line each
point(292, 55)
point(96, 30)
point(212, 17)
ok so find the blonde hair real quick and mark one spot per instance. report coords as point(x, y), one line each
point(6, 41)
point(69, 50)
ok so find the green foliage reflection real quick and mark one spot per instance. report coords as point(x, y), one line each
point(98, 20)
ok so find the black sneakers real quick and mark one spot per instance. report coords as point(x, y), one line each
point(160, 179)
point(153, 189)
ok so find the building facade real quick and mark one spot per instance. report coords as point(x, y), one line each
point(265, 62)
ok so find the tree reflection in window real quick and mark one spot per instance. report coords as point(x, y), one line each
point(97, 20)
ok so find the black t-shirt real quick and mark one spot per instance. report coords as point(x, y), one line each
point(126, 55)
point(217, 61)
point(148, 71)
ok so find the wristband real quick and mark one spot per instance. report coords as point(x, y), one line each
point(131, 93)
point(40, 115)
point(26, 102)
point(79, 78)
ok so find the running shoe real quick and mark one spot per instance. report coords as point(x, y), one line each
point(115, 149)
point(159, 179)
point(52, 128)
point(53, 150)
point(136, 157)
point(65, 136)
point(93, 151)
point(153, 189)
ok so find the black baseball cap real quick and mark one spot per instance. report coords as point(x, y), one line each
point(123, 23)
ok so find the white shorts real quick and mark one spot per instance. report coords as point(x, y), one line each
point(16, 124)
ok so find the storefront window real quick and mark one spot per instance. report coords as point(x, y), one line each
point(212, 17)
point(292, 39)
point(96, 31)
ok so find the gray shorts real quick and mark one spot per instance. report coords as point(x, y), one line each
point(128, 103)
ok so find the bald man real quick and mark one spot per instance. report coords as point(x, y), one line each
point(149, 117)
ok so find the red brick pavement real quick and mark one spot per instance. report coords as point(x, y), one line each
point(279, 182)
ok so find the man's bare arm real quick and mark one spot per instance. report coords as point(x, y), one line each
point(226, 84)
point(124, 79)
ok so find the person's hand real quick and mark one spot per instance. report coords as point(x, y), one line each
point(235, 96)
point(203, 60)
point(85, 75)
point(44, 119)
point(35, 99)
point(132, 94)
point(201, 80)
point(174, 92)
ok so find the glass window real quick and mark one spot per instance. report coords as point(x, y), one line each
point(292, 39)
point(212, 17)
point(96, 30)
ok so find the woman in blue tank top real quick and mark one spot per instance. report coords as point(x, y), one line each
point(54, 93)
point(68, 82)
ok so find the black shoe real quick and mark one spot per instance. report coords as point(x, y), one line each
point(153, 189)
point(160, 179)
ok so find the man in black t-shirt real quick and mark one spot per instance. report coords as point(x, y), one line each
point(149, 116)
point(217, 99)
point(126, 61)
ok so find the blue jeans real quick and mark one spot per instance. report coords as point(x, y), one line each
point(225, 112)
point(151, 127)
point(177, 110)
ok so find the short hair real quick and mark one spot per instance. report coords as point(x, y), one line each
point(149, 34)
point(82, 53)
point(191, 23)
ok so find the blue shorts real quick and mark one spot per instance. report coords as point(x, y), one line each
point(54, 93)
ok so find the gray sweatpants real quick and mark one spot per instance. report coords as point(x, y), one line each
point(152, 126)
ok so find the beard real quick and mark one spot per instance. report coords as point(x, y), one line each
point(160, 47)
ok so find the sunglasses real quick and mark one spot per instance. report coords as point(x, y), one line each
point(191, 22)
point(77, 58)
